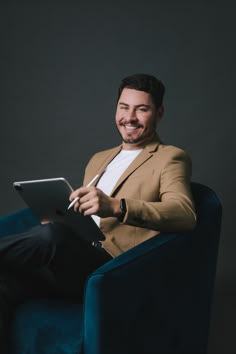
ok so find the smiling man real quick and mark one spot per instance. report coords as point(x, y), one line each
point(143, 188)
point(144, 185)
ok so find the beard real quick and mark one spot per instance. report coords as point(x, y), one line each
point(139, 139)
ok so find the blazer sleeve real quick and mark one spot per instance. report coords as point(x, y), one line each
point(175, 209)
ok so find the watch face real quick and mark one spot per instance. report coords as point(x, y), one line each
point(123, 205)
point(123, 209)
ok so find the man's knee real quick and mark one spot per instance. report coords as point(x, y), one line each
point(53, 233)
point(34, 248)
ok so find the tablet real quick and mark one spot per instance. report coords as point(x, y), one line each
point(49, 200)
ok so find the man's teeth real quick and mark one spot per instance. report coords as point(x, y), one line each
point(130, 127)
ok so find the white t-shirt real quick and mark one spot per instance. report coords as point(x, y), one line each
point(113, 172)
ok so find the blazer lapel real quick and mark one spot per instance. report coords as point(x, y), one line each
point(146, 154)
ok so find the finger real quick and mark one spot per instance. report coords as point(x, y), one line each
point(81, 206)
point(88, 208)
point(76, 206)
point(81, 192)
point(45, 221)
point(77, 193)
point(74, 195)
point(90, 211)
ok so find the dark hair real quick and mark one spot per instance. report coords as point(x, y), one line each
point(147, 83)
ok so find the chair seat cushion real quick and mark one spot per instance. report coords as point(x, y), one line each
point(47, 327)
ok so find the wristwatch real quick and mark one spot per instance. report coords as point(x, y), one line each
point(123, 209)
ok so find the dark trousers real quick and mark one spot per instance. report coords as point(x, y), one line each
point(47, 261)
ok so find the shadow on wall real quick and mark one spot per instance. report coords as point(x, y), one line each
point(222, 331)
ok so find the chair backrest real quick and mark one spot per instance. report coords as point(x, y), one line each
point(205, 244)
point(209, 215)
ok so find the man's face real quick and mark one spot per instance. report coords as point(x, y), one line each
point(136, 118)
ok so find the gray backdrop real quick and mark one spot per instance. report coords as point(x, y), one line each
point(61, 64)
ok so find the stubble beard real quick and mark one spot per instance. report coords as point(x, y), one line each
point(139, 140)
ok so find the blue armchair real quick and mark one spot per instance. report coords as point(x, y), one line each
point(153, 299)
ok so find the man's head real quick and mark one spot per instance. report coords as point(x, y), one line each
point(146, 83)
point(139, 108)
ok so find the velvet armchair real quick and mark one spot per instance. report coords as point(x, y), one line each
point(153, 299)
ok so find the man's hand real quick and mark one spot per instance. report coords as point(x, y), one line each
point(92, 201)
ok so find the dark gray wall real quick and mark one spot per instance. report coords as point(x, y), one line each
point(61, 63)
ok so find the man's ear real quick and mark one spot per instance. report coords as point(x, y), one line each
point(160, 112)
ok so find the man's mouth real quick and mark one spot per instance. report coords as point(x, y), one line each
point(131, 127)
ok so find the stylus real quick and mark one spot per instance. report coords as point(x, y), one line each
point(77, 198)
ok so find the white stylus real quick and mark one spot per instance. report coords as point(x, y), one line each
point(77, 198)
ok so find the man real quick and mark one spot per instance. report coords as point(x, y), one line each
point(143, 188)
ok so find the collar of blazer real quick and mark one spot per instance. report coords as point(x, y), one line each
point(146, 154)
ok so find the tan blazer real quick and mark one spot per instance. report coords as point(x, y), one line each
point(156, 187)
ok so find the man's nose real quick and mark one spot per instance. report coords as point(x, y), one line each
point(131, 115)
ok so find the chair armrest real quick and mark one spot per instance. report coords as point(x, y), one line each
point(16, 222)
point(142, 301)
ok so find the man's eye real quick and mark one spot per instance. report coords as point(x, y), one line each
point(143, 109)
point(123, 108)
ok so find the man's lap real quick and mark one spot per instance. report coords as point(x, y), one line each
point(50, 256)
